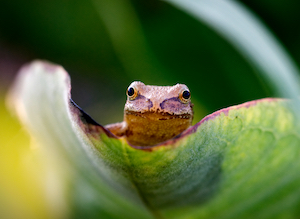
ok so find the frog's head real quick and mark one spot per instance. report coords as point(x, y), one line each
point(166, 100)
point(154, 114)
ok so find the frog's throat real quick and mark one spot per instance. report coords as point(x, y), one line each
point(151, 128)
point(154, 115)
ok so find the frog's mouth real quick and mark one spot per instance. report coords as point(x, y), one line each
point(158, 115)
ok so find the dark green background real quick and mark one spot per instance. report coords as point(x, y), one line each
point(179, 49)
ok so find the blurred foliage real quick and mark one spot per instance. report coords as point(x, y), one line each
point(28, 187)
point(171, 47)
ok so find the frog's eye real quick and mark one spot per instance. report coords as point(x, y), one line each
point(132, 93)
point(185, 96)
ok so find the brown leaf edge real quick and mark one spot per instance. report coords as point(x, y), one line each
point(91, 127)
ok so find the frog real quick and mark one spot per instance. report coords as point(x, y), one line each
point(154, 114)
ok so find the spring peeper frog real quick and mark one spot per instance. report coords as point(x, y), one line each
point(154, 114)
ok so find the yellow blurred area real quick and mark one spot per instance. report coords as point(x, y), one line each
point(24, 175)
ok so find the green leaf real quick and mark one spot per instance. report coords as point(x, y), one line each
point(251, 38)
point(40, 98)
point(238, 162)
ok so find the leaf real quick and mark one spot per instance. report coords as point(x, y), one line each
point(238, 162)
point(40, 98)
point(250, 37)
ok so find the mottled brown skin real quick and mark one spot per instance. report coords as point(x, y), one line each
point(154, 114)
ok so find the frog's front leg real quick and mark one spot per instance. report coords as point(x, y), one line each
point(117, 129)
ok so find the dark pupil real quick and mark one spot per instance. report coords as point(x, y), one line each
point(130, 91)
point(186, 95)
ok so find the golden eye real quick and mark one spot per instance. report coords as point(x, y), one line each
point(185, 96)
point(132, 93)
